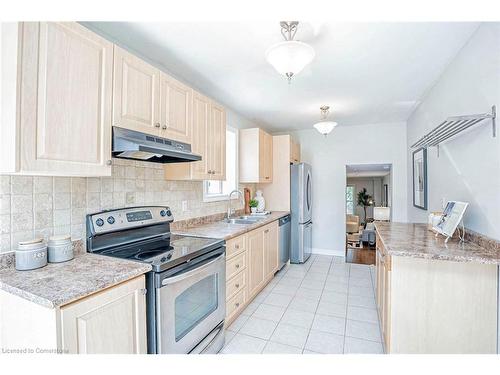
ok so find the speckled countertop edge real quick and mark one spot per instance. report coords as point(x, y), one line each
point(425, 245)
point(221, 230)
point(59, 284)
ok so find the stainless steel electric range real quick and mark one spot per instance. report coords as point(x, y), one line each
point(186, 288)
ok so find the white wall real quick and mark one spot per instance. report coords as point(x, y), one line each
point(373, 186)
point(387, 181)
point(468, 168)
point(362, 144)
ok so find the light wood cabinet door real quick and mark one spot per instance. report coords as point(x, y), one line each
point(294, 152)
point(256, 259)
point(66, 96)
point(217, 142)
point(199, 145)
point(175, 109)
point(136, 92)
point(271, 249)
point(266, 157)
point(111, 322)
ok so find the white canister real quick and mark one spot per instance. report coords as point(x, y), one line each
point(261, 201)
point(60, 249)
point(31, 254)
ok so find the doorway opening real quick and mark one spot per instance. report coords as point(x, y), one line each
point(368, 197)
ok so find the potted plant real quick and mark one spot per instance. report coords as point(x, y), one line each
point(253, 205)
point(364, 200)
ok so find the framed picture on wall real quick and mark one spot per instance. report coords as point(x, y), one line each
point(420, 179)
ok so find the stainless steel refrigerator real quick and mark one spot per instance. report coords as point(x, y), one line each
point(301, 205)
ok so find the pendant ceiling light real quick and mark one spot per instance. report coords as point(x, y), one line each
point(324, 126)
point(291, 56)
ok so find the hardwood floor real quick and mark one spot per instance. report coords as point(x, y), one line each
point(360, 256)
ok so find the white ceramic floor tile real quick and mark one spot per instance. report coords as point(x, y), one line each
point(336, 287)
point(357, 346)
point(277, 348)
point(361, 301)
point(323, 342)
point(276, 299)
point(330, 324)
point(332, 309)
point(309, 294)
point(260, 328)
point(285, 289)
point(298, 318)
point(290, 281)
point(362, 314)
point(363, 330)
point(269, 312)
point(305, 351)
point(334, 297)
point(360, 274)
point(228, 336)
point(354, 281)
point(312, 276)
point(361, 291)
point(252, 306)
point(238, 323)
point(303, 304)
point(298, 273)
point(290, 335)
point(243, 344)
point(313, 284)
point(260, 297)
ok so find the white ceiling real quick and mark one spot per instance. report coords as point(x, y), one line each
point(366, 72)
point(368, 170)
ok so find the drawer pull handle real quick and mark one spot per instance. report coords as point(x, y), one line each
point(237, 266)
point(237, 304)
point(236, 246)
point(237, 285)
point(266, 231)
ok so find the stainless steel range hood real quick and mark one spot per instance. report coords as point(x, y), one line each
point(129, 144)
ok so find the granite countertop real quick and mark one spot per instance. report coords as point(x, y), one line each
point(58, 284)
point(226, 231)
point(415, 240)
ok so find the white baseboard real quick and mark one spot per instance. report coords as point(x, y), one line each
point(331, 252)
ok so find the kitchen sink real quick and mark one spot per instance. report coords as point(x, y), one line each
point(239, 221)
point(253, 218)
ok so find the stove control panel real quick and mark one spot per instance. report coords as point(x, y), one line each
point(126, 218)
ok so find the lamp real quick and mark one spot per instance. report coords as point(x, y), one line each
point(324, 126)
point(381, 213)
point(291, 56)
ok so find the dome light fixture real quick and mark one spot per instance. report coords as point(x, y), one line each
point(291, 56)
point(324, 126)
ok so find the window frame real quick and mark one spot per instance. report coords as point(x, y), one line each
point(222, 197)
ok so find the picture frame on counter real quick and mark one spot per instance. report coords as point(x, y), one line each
point(419, 161)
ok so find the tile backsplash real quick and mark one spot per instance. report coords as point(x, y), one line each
point(36, 206)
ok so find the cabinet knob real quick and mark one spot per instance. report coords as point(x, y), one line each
point(237, 266)
point(157, 125)
point(109, 162)
point(164, 127)
point(267, 178)
point(236, 246)
point(266, 231)
point(237, 304)
point(237, 285)
point(144, 291)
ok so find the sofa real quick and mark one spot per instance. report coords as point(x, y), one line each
point(352, 224)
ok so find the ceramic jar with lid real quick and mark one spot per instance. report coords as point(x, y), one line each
point(261, 201)
point(31, 254)
point(60, 249)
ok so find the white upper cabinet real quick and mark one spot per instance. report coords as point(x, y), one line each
point(60, 123)
point(175, 109)
point(136, 98)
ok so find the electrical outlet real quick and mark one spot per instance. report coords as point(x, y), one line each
point(184, 206)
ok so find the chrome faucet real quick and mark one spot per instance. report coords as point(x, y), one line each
point(229, 209)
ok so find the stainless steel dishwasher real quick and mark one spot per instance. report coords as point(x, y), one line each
point(284, 239)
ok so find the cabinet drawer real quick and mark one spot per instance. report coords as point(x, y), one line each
point(235, 245)
point(235, 265)
point(235, 304)
point(236, 284)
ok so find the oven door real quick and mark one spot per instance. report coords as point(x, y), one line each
point(190, 304)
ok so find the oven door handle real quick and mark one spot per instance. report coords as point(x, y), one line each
point(191, 271)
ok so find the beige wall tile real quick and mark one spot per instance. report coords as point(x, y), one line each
point(43, 219)
point(93, 185)
point(22, 222)
point(43, 202)
point(5, 185)
point(62, 218)
point(78, 215)
point(62, 201)
point(5, 224)
point(78, 184)
point(4, 204)
point(22, 184)
point(21, 203)
point(62, 184)
point(78, 200)
point(5, 243)
point(42, 184)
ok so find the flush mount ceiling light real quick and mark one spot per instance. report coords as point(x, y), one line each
point(324, 126)
point(291, 56)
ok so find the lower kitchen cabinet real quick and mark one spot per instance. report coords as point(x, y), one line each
point(111, 321)
point(433, 306)
point(252, 261)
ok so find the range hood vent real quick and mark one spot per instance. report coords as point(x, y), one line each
point(129, 144)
